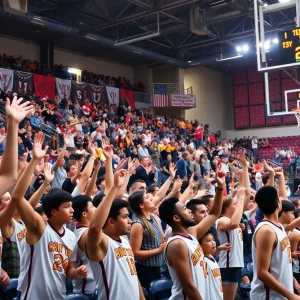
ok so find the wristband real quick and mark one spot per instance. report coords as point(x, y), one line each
point(36, 175)
point(219, 189)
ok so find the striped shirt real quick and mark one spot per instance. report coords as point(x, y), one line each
point(150, 242)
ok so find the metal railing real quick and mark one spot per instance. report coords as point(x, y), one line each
point(247, 152)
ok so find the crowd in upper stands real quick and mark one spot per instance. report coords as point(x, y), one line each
point(27, 65)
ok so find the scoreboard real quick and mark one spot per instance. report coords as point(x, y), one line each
point(289, 45)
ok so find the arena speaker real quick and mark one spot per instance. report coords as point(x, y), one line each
point(16, 7)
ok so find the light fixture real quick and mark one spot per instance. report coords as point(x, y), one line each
point(138, 52)
point(74, 71)
point(245, 48)
point(275, 41)
point(267, 45)
point(38, 22)
point(239, 49)
point(133, 40)
point(189, 61)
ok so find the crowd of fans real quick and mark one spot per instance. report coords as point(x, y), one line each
point(60, 71)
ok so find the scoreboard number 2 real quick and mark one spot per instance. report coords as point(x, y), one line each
point(297, 53)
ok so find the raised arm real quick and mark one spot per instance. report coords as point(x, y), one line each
point(271, 172)
point(63, 150)
point(281, 186)
point(95, 241)
point(33, 221)
point(91, 185)
point(87, 171)
point(15, 113)
point(185, 195)
point(215, 211)
point(164, 188)
point(225, 225)
point(108, 153)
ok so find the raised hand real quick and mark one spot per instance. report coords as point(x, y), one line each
point(48, 174)
point(192, 181)
point(241, 193)
point(119, 177)
point(39, 168)
point(242, 159)
point(172, 170)
point(121, 164)
point(81, 272)
point(16, 110)
point(107, 150)
point(23, 162)
point(177, 185)
point(97, 165)
point(92, 148)
point(37, 152)
point(219, 175)
point(267, 167)
point(132, 165)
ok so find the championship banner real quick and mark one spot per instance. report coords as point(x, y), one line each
point(63, 88)
point(23, 82)
point(113, 95)
point(128, 98)
point(44, 85)
point(183, 100)
point(6, 80)
point(79, 90)
point(96, 93)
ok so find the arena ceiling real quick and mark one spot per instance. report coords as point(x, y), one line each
point(93, 26)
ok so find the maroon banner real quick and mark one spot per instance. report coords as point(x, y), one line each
point(127, 97)
point(44, 85)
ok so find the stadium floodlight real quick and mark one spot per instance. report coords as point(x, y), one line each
point(245, 48)
point(275, 41)
point(239, 49)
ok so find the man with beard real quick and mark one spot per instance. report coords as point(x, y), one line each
point(184, 255)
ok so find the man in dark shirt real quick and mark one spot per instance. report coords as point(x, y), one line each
point(73, 172)
point(166, 166)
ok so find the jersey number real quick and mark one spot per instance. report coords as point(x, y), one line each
point(131, 266)
point(60, 263)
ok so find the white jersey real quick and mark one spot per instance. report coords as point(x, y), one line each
point(197, 266)
point(233, 258)
point(280, 265)
point(83, 285)
point(296, 261)
point(213, 281)
point(46, 265)
point(116, 274)
point(19, 237)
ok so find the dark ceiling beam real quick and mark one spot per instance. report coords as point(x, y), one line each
point(160, 44)
point(123, 11)
point(142, 14)
point(107, 17)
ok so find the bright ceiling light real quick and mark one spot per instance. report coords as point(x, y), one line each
point(267, 45)
point(239, 49)
point(245, 48)
point(275, 41)
point(189, 61)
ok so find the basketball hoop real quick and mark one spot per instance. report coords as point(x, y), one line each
point(296, 112)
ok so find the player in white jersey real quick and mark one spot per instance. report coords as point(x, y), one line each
point(110, 253)
point(83, 213)
point(231, 261)
point(294, 238)
point(273, 277)
point(49, 246)
point(183, 254)
point(214, 289)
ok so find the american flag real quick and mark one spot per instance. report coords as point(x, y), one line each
point(160, 97)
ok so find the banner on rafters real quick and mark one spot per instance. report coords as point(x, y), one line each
point(113, 95)
point(128, 98)
point(79, 90)
point(23, 83)
point(6, 80)
point(63, 88)
point(44, 85)
point(96, 93)
point(183, 100)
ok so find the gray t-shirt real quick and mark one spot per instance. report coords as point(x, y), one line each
point(59, 177)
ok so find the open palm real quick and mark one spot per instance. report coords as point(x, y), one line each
point(49, 175)
point(38, 152)
point(17, 110)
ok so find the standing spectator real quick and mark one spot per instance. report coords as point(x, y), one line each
point(254, 145)
point(144, 172)
point(35, 121)
point(143, 151)
point(182, 167)
point(28, 143)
